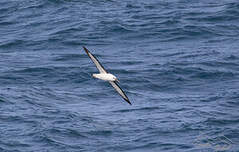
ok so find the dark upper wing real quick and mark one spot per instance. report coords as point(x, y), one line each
point(94, 59)
point(120, 91)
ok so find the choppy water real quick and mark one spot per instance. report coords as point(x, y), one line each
point(177, 60)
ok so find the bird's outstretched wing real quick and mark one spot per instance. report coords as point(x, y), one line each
point(120, 91)
point(94, 59)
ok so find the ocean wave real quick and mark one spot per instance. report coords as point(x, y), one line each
point(140, 109)
point(177, 61)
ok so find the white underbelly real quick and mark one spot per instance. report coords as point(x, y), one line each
point(104, 76)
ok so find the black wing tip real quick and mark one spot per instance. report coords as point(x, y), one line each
point(86, 50)
point(127, 100)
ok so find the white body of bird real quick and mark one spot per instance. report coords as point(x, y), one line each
point(105, 77)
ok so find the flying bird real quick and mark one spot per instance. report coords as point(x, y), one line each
point(104, 75)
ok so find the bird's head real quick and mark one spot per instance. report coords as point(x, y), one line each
point(115, 79)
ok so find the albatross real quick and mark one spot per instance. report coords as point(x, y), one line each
point(104, 75)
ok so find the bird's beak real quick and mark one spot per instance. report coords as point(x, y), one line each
point(117, 80)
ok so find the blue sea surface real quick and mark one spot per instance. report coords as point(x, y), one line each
point(177, 61)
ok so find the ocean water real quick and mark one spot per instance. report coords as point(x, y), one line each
point(177, 61)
